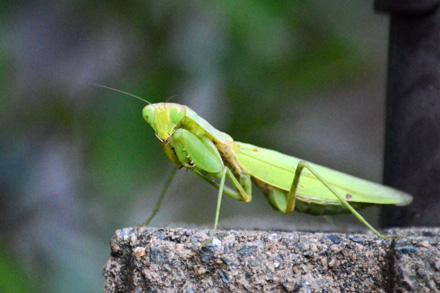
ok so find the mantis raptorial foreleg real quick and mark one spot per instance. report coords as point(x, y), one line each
point(228, 191)
point(242, 192)
point(202, 157)
point(291, 198)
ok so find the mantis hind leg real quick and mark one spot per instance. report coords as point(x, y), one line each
point(291, 198)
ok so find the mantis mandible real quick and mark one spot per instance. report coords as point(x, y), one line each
point(289, 184)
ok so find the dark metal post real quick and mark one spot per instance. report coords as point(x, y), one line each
point(412, 143)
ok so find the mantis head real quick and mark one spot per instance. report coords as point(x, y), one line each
point(164, 118)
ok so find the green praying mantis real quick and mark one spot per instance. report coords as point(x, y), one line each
point(289, 184)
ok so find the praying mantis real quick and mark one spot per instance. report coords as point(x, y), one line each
point(289, 183)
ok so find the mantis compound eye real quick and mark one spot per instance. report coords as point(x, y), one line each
point(177, 113)
point(148, 114)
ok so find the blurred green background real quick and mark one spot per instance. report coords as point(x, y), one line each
point(78, 162)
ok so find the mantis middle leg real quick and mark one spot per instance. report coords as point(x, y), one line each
point(161, 197)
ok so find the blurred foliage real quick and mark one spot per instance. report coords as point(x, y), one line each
point(12, 278)
point(78, 162)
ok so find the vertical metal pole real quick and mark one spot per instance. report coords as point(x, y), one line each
point(412, 143)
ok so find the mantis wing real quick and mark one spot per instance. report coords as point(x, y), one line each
point(277, 170)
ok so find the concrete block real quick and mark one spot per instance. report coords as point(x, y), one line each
point(170, 259)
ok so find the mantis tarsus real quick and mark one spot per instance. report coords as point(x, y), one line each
point(288, 183)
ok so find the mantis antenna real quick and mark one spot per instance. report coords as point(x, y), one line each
point(170, 98)
point(119, 91)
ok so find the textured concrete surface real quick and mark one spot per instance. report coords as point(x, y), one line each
point(153, 259)
point(416, 261)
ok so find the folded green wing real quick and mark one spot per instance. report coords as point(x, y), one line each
point(277, 169)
